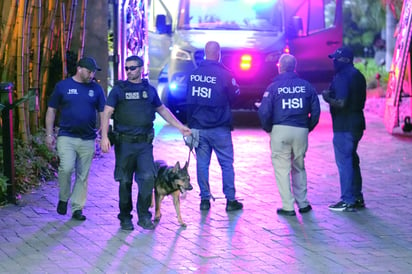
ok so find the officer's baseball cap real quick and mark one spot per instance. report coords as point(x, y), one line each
point(89, 63)
point(342, 52)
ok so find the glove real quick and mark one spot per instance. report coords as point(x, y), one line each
point(192, 141)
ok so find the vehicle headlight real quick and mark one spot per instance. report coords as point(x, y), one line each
point(180, 54)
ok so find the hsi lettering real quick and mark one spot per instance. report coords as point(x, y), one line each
point(292, 103)
point(201, 92)
point(72, 91)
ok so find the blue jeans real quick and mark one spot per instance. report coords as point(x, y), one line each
point(218, 140)
point(345, 145)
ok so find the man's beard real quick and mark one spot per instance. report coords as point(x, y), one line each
point(338, 65)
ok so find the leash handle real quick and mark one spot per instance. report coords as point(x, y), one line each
point(190, 145)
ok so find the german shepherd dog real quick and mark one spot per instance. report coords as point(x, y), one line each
point(170, 181)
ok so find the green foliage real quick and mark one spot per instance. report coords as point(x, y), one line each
point(34, 164)
point(359, 31)
point(3, 188)
point(370, 69)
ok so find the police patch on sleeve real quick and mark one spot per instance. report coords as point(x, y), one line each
point(234, 82)
point(266, 94)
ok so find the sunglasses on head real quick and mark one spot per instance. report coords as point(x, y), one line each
point(131, 68)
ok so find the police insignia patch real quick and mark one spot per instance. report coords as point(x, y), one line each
point(91, 93)
point(266, 94)
point(144, 94)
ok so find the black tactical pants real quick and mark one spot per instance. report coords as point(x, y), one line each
point(135, 159)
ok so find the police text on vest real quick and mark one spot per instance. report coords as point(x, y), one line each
point(294, 89)
point(292, 102)
point(132, 95)
point(203, 78)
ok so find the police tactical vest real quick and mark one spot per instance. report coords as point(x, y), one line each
point(135, 105)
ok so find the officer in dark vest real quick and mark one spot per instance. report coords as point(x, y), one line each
point(133, 104)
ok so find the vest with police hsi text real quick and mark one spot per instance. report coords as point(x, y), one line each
point(135, 107)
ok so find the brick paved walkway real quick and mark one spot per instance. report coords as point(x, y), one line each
point(35, 239)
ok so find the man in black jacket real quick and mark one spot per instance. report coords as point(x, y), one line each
point(346, 97)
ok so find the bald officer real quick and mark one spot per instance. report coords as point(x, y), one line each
point(211, 90)
point(289, 110)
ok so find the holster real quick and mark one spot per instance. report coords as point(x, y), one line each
point(113, 136)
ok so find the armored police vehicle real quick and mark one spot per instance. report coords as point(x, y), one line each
point(252, 34)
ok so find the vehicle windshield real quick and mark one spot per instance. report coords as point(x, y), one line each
point(260, 15)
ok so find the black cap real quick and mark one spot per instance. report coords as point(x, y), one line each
point(342, 52)
point(89, 63)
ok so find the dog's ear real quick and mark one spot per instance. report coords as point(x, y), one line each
point(176, 167)
point(186, 165)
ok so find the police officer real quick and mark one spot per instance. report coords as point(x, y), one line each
point(211, 90)
point(289, 110)
point(134, 103)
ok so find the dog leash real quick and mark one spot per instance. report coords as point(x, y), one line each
point(190, 149)
point(190, 144)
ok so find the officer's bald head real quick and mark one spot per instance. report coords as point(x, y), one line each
point(212, 51)
point(287, 63)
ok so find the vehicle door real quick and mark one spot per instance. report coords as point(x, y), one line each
point(314, 31)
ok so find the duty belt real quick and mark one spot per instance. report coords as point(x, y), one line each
point(140, 138)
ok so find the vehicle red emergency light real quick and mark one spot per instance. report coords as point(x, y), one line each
point(245, 62)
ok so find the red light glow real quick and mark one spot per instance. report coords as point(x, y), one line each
point(245, 62)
